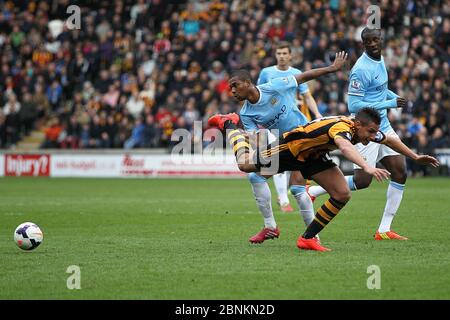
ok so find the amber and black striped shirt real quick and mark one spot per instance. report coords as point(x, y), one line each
point(318, 136)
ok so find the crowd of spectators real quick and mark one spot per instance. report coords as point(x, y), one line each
point(137, 70)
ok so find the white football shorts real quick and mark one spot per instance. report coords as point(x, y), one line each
point(374, 152)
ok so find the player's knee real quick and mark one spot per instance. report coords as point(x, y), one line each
point(342, 195)
point(256, 178)
point(245, 167)
point(399, 176)
point(362, 182)
point(296, 179)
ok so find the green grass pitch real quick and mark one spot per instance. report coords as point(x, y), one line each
point(188, 239)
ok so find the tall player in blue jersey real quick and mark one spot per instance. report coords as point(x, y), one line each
point(368, 87)
point(270, 106)
point(283, 69)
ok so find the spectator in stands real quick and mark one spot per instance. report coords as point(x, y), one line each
point(85, 136)
point(137, 135)
point(54, 93)
point(52, 134)
point(3, 135)
point(191, 114)
point(135, 105)
point(72, 134)
point(416, 130)
point(150, 134)
point(28, 113)
point(12, 105)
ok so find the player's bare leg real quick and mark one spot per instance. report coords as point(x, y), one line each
point(333, 181)
point(316, 191)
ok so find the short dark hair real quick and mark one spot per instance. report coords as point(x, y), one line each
point(282, 45)
point(366, 31)
point(368, 114)
point(242, 75)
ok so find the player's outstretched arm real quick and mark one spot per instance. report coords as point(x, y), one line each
point(355, 103)
point(349, 151)
point(312, 105)
point(316, 73)
point(392, 95)
point(397, 145)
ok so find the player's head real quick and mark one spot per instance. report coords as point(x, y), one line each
point(367, 124)
point(371, 39)
point(240, 84)
point(283, 54)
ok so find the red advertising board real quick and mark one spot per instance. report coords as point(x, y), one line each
point(27, 165)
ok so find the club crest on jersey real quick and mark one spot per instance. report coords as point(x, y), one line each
point(379, 137)
point(273, 101)
point(348, 135)
point(355, 85)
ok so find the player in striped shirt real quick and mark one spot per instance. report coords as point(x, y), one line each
point(306, 149)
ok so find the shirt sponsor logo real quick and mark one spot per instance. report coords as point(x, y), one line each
point(276, 118)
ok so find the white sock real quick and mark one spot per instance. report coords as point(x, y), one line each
point(394, 198)
point(316, 191)
point(263, 197)
point(304, 202)
point(280, 181)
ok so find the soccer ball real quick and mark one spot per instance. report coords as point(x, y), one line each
point(28, 236)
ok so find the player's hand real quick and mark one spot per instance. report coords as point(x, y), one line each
point(379, 174)
point(339, 61)
point(401, 102)
point(426, 159)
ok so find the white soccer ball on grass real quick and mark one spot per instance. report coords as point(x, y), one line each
point(28, 236)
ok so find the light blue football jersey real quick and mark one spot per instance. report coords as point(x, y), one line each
point(273, 72)
point(276, 107)
point(369, 79)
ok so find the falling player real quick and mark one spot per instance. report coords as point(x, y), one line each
point(306, 149)
point(272, 106)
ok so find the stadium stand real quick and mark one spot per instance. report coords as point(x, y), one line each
point(136, 71)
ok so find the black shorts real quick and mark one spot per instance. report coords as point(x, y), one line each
point(281, 159)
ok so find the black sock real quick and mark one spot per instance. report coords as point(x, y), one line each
point(324, 215)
